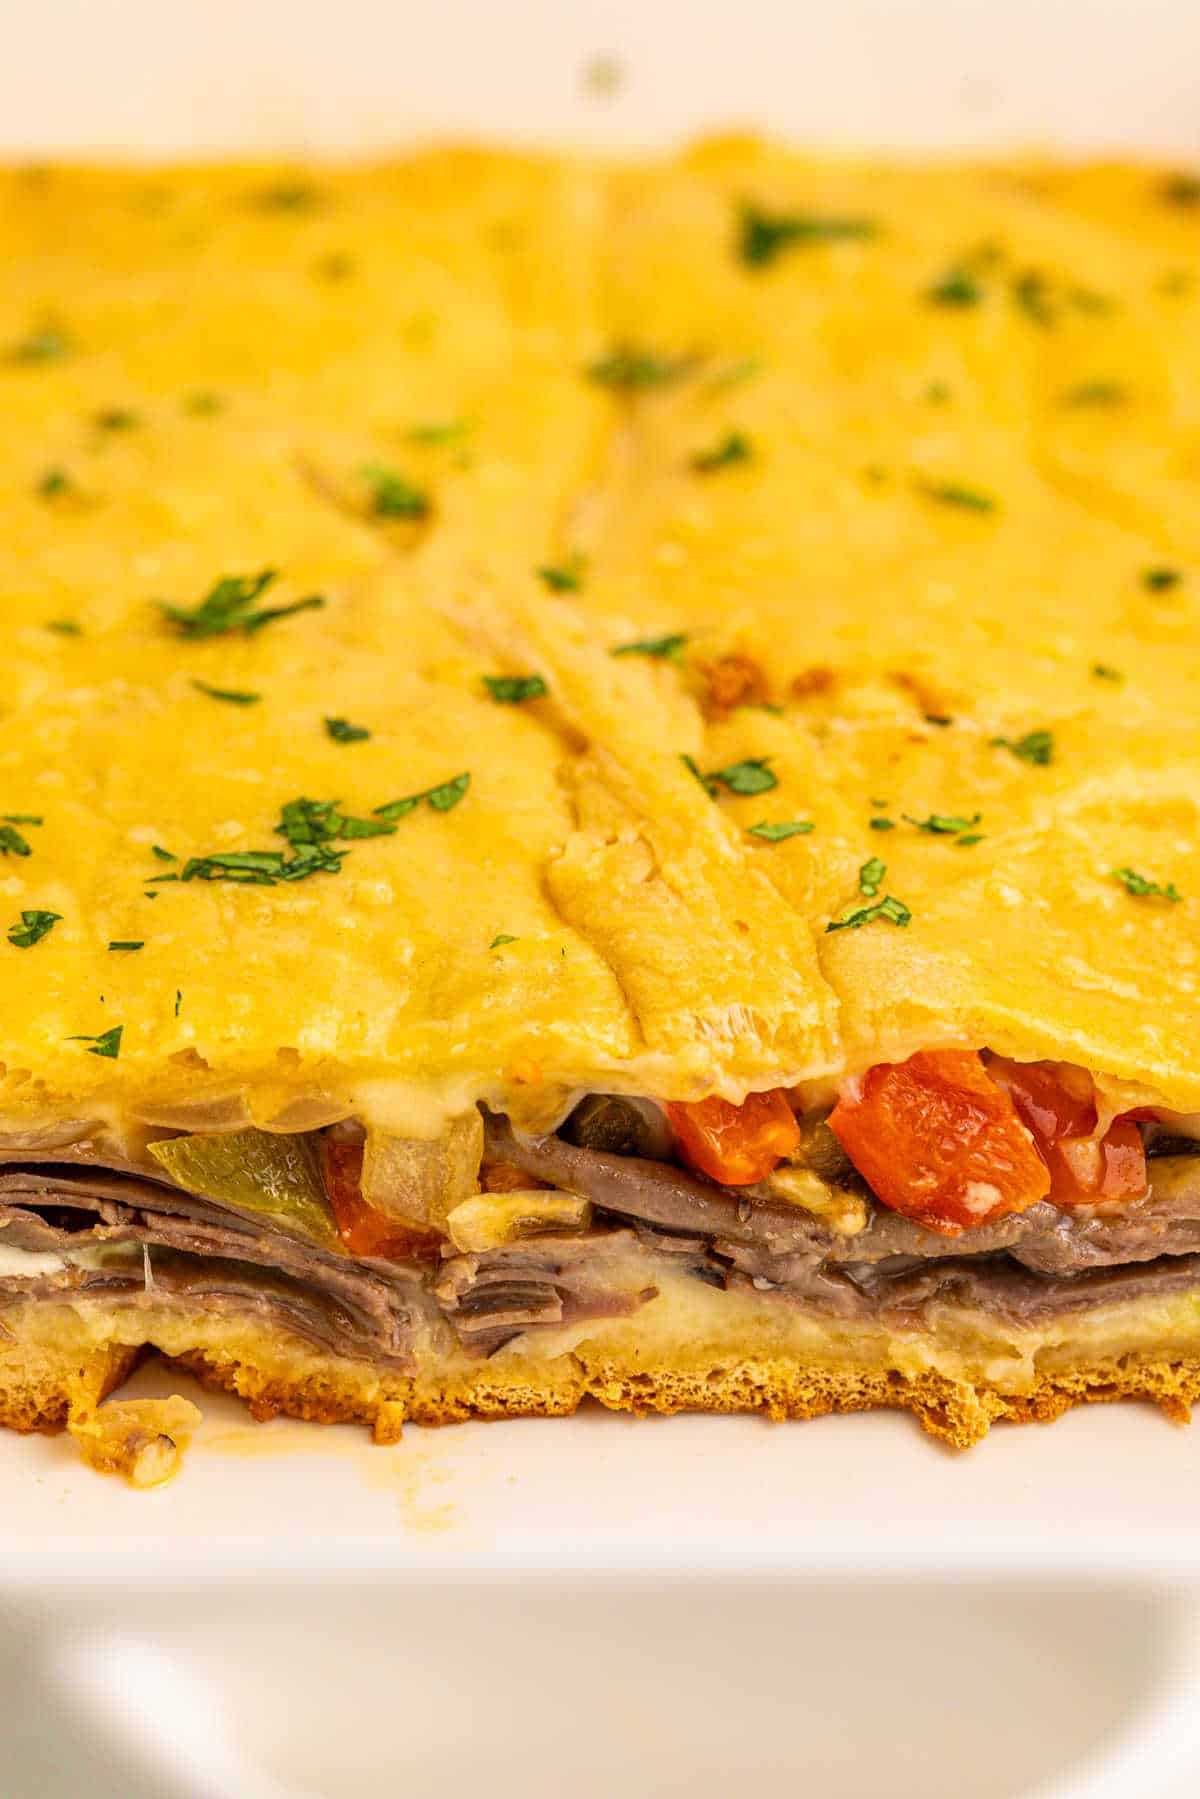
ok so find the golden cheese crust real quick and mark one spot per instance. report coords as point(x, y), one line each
point(941, 509)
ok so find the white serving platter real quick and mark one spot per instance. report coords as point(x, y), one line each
point(604, 1605)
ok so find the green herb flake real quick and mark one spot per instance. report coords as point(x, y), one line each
point(512, 690)
point(501, 939)
point(892, 910)
point(1161, 580)
point(120, 943)
point(1089, 300)
point(233, 696)
point(22, 818)
point(750, 776)
point(938, 393)
point(957, 287)
point(954, 493)
point(229, 606)
point(1036, 747)
point(563, 577)
point(631, 370)
point(108, 1043)
point(734, 447)
point(292, 194)
point(156, 849)
point(48, 344)
point(1181, 189)
point(1030, 291)
point(65, 627)
point(12, 843)
point(342, 731)
point(32, 928)
point(940, 719)
point(1102, 671)
point(779, 833)
point(202, 402)
point(392, 495)
point(871, 876)
point(968, 841)
point(663, 649)
point(443, 798)
point(1095, 393)
point(1141, 888)
point(116, 418)
point(53, 484)
point(942, 824)
point(762, 236)
point(883, 824)
point(450, 432)
point(178, 1000)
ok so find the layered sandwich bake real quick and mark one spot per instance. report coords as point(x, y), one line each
point(599, 786)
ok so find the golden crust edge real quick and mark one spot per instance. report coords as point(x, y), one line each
point(41, 1388)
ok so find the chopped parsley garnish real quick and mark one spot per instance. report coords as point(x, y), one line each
point(871, 876)
point(563, 577)
point(452, 431)
point(954, 493)
point(733, 447)
point(46, 345)
point(893, 910)
point(942, 824)
point(750, 776)
point(202, 403)
point(501, 939)
point(763, 235)
point(108, 1043)
point(65, 627)
point(1036, 747)
point(664, 649)
point(1103, 672)
point(938, 393)
point(127, 943)
point(1030, 293)
point(156, 849)
point(511, 690)
point(392, 496)
point(970, 838)
point(12, 843)
point(1096, 393)
point(1182, 189)
point(233, 695)
point(291, 195)
point(115, 418)
point(883, 824)
point(178, 1000)
point(1161, 580)
point(633, 370)
point(22, 818)
point(53, 484)
point(941, 719)
point(957, 287)
point(229, 606)
point(32, 928)
point(342, 731)
point(442, 798)
point(1142, 888)
point(778, 833)
point(309, 826)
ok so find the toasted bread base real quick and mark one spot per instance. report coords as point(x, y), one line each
point(45, 1384)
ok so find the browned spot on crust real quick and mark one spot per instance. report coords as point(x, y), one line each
point(932, 700)
point(812, 681)
point(733, 681)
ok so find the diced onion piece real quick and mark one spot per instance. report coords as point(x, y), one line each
point(254, 1171)
point(417, 1180)
point(490, 1220)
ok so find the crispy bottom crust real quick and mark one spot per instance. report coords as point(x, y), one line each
point(956, 1412)
point(42, 1387)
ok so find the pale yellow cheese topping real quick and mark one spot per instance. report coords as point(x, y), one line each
point(943, 510)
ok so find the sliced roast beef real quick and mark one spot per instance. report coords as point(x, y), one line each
point(777, 1241)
